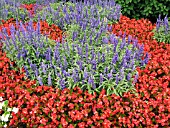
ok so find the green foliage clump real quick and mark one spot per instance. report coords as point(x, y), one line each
point(149, 9)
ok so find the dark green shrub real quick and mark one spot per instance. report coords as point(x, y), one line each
point(149, 9)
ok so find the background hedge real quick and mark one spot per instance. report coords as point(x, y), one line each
point(149, 9)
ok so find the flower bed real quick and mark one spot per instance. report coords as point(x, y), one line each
point(45, 106)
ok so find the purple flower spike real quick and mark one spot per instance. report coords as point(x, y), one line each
point(33, 66)
point(128, 77)
point(26, 70)
point(112, 36)
point(166, 24)
point(36, 72)
point(43, 66)
point(85, 74)
point(105, 40)
point(122, 73)
point(103, 57)
point(91, 82)
point(19, 55)
point(117, 79)
point(146, 59)
point(91, 40)
point(123, 43)
point(62, 84)
point(128, 53)
point(110, 75)
point(136, 77)
point(158, 23)
point(109, 28)
point(65, 9)
point(65, 62)
point(115, 58)
point(129, 39)
point(49, 79)
point(80, 64)
point(40, 80)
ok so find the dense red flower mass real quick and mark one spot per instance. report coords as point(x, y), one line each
point(44, 106)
